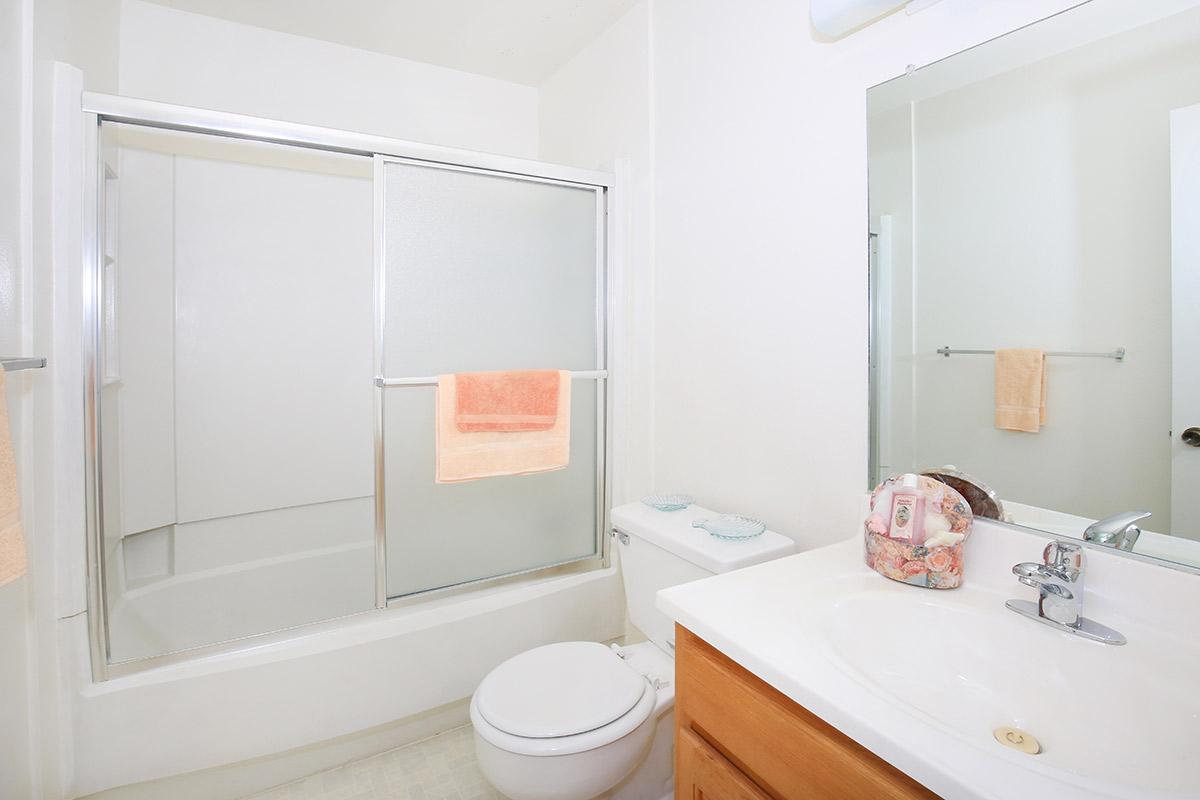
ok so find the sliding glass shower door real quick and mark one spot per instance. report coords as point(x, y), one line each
point(487, 271)
point(265, 323)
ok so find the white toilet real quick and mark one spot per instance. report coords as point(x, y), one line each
point(578, 720)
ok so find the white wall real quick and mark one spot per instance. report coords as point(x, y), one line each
point(760, 251)
point(757, 305)
point(178, 57)
point(595, 112)
point(16, 766)
point(1068, 248)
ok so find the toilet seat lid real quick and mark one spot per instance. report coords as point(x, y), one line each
point(559, 689)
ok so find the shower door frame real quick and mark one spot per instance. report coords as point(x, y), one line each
point(100, 108)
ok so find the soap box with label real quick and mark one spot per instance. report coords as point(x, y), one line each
point(927, 552)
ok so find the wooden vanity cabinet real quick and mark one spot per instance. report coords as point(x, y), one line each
point(737, 738)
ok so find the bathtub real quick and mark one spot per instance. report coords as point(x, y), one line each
point(318, 683)
point(200, 583)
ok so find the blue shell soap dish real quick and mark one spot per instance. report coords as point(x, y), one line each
point(731, 526)
point(668, 502)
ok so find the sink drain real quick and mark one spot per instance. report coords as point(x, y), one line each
point(1017, 739)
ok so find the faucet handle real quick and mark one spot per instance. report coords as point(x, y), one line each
point(1065, 558)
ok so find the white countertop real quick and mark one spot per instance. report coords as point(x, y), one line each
point(775, 620)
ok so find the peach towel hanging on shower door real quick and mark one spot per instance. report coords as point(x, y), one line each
point(468, 455)
point(1020, 390)
point(521, 400)
point(12, 542)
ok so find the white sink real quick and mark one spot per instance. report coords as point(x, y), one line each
point(924, 677)
point(1116, 715)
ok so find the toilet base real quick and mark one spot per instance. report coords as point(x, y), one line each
point(654, 777)
point(579, 776)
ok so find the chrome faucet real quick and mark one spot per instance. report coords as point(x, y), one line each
point(1119, 531)
point(1059, 581)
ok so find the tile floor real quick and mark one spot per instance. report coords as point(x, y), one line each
point(440, 768)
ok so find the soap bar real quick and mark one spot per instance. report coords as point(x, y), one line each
point(934, 562)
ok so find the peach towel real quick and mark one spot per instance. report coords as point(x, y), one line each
point(1020, 390)
point(12, 543)
point(525, 400)
point(469, 455)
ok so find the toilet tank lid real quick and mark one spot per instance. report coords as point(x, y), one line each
point(673, 532)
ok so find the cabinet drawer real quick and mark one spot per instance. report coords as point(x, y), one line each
point(704, 774)
point(783, 748)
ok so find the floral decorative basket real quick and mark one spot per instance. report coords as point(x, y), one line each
point(934, 562)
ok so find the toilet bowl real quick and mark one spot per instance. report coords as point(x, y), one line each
point(579, 720)
point(572, 720)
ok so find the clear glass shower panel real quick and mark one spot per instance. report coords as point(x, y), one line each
point(487, 272)
point(236, 454)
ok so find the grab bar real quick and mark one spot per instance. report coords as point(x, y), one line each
point(588, 374)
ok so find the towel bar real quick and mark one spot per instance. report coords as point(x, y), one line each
point(592, 374)
point(12, 364)
point(1118, 354)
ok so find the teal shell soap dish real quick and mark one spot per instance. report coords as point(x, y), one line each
point(732, 527)
point(668, 502)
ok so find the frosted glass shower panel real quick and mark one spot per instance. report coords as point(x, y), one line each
point(484, 271)
point(487, 272)
point(446, 534)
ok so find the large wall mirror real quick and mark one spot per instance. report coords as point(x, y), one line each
point(1041, 192)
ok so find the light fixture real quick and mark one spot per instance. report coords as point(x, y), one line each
point(836, 18)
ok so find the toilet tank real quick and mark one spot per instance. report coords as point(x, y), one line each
point(659, 549)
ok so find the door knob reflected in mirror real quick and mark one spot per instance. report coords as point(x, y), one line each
point(1191, 436)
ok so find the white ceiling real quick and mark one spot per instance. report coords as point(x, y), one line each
point(523, 41)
